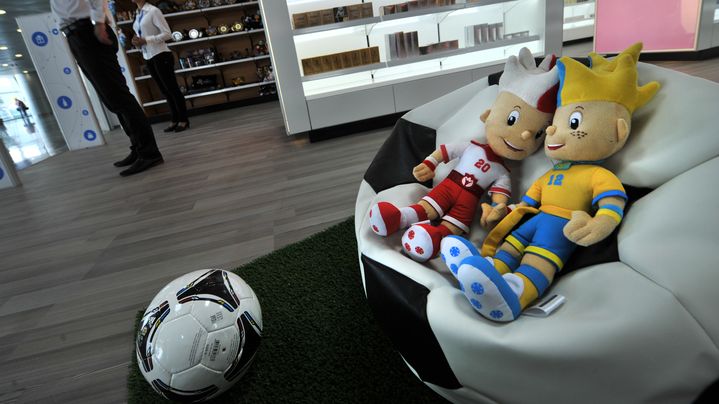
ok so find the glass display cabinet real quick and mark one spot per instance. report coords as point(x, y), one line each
point(340, 61)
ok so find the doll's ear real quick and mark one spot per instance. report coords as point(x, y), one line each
point(622, 130)
point(485, 115)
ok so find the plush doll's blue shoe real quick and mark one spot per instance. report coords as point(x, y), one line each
point(487, 291)
point(454, 249)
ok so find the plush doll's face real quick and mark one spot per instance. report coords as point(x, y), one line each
point(587, 131)
point(514, 129)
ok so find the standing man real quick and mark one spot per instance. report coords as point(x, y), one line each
point(94, 46)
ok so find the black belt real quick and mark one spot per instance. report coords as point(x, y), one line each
point(83, 24)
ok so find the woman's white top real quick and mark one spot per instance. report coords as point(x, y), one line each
point(152, 25)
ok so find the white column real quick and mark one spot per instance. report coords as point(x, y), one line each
point(59, 76)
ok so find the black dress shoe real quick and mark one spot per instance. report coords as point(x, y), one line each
point(170, 128)
point(141, 165)
point(126, 161)
point(182, 126)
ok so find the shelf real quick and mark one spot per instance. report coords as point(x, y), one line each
point(396, 16)
point(421, 58)
point(207, 38)
point(213, 92)
point(214, 65)
point(198, 11)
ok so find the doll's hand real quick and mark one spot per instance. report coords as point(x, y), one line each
point(423, 173)
point(585, 230)
point(491, 215)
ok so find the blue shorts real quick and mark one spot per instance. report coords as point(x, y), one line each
point(543, 235)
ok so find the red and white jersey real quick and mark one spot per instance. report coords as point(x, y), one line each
point(479, 168)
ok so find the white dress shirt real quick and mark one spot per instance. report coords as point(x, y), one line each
point(152, 25)
point(68, 11)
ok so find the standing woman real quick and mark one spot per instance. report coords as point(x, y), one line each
point(152, 31)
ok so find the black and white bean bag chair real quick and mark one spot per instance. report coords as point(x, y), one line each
point(641, 318)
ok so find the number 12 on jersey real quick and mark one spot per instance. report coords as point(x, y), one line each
point(556, 179)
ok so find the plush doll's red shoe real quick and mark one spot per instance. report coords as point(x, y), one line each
point(384, 218)
point(422, 240)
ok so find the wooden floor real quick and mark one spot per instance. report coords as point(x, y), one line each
point(82, 249)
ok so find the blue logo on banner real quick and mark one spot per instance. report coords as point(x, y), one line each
point(122, 69)
point(90, 135)
point(2, 173)
point(64, 102)
point(66, 70)
point(85, 112)
point(39, 39)
point(55, 31)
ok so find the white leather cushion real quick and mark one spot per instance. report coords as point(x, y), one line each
point(619, 338)
point(671, 236)
point(672, 133)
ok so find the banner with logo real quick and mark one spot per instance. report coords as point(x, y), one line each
point(8, 176)
point(61, 80)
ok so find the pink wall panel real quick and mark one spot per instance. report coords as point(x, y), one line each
point(663, 25)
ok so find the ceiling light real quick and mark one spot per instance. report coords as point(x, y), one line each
point(19, 30)
point(2, 12)
point(18, 55)
point(5, 65)
point(25, 71)
point(3, 47)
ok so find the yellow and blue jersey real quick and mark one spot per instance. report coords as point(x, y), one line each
point(569, 186)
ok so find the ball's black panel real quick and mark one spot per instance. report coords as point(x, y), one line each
point(250, 336)
point(710, 395)
point(400, 306)
point(407, 146)
point(188, 396)
point(213, 286)
point(148, 327)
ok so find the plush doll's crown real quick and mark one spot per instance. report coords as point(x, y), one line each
point(535, 85)
point(599, 63)
point(616, 81)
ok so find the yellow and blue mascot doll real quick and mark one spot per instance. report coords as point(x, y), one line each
point(577, 202)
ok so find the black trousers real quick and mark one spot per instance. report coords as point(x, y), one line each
point(99, 63)
point(162, 70)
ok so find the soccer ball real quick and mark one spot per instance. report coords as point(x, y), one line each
point(199, 335)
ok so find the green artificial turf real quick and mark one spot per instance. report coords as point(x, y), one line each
point(320, 341)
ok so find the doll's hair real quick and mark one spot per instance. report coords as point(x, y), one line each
point(535, 85)
point(613, 81)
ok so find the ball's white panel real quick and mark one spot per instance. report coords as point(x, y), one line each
point(179, 344)
point(197, 378)
point(672, 133)
point(435, 113)
point(671, 237)
point(618, 336)
point(212, 316)
point(221, 348)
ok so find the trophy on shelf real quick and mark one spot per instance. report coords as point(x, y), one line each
point(167, 6)
point(195, 33)
point(211, 31)
point(260, 48)
point(238, 81)
point(237, 27)
point(217, 3)
point(190, 5)
point(177, 36)
point(223, 29)
point(230, 1)
point(203, 3)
